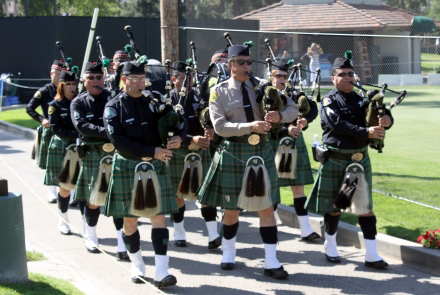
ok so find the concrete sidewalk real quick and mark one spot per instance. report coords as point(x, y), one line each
point(197, 269)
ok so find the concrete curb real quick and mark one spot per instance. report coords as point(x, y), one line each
point(406, 252)
point(18, 130)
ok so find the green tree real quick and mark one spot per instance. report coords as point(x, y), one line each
point(141, 8)
point(37, 7)
point(434, 10)
point(420, 7)
point(86, 7)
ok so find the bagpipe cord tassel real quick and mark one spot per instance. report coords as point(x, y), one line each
point(150, 194)
point(103, 186)
point(184, 184)
point(250, 183)
point(260, 189)
point(289, 162)
point(139, 199)
point(281, 165)
point(195, 180)
point(65, 173)
point(76, 174)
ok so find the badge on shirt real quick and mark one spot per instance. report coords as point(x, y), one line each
point(111, 130)
point(110, 113)
point(327, 101)
point(213, 96)
point(77, 115)
point(37, 94)
point(51, 110)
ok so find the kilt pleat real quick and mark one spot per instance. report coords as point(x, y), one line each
point(176, 164)
point(118, 199)
point(329, 181)
point(89, 171)
point(222, 184)
point(55, 157)
point(46, 136)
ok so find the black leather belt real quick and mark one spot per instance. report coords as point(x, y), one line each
point(356, 157)
point(249, 138)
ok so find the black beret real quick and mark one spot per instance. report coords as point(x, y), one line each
point(93, 68)
point(67, 76)
point(58, 65)
point(280, 65)
point(134, 68)
point(235, 50)
point(345, 62)
point(121, 55)
point(179, 67)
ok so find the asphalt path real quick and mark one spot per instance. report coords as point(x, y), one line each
point(197, 269)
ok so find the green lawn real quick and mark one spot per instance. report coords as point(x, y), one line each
point(20, 117)
point(430, 63)
point(40, 285)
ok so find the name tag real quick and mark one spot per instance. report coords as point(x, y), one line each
point(90, 116)
point(129, 120)
point(63, 115)
point(190, 117)
point(64, 109)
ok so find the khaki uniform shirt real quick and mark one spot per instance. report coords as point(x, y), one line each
point(227, 110)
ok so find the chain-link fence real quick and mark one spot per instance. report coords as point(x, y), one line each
point(409, 164)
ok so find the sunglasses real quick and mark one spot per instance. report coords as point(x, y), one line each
point(136, 80)
point(91, 78)
point(241, 62)
point(343, 74)
point(279, 76)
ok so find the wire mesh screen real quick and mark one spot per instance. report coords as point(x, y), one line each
point(408, 166)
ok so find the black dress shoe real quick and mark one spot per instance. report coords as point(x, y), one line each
point(167, 281)
point(311, 237)
point(180, 243)
point(123, 256)
point(333, 259)
point(215, 243)
point(73, 204)
point(66, 233)
point(276, 273)
point(227, 266)
point(377, 264)
point(137, 280)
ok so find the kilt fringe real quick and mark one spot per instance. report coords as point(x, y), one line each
point(71, 163)
point(359, 202)
point(148, 204)
point(191, 177)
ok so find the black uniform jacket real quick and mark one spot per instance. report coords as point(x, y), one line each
point(343, 120)
point(42, 98)
point(87, 113)
point(126, 129)
point(190, 103)
point(60, 120)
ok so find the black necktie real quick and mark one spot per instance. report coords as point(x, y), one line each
point(142, 117)
point(247, 104)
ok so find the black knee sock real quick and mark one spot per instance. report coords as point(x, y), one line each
point(178, 217)
point(368, 226)
point(92, 216)
point(63, 203)
point(230, 231)
point(275, 207)
point(331, 223)
point(118, 222)
point(160, 238)
point(299, 203)
point(82, 205)
point(133, 242)
point(209, 214)
point(269, 234)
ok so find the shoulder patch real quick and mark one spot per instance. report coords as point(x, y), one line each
point(326, 101)
point(37, 94)
point(51, 110)
point(213, 96)
point(110, 113)
point(77, 115)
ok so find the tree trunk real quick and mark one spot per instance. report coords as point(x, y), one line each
point(169, 20)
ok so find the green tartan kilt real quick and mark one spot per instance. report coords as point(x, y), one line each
point(118, 199)
point(303, 169)
point(329, 181)
point(55, 157)
point(176, 164)
point(89, 171)
point(46, 136)
point(222, 184)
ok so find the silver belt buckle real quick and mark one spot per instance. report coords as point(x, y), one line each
point(357, 157)
point(108, 147)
